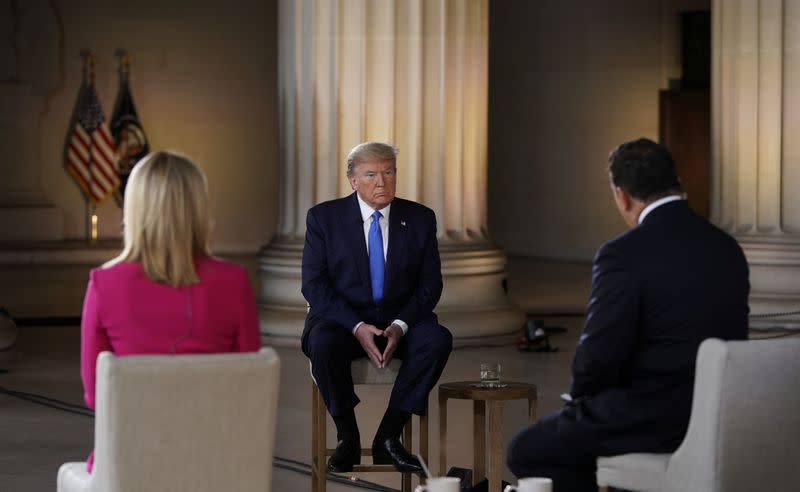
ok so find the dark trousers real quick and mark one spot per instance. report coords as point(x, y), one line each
point(424, 350)
point(565, 445)
point(557, 449)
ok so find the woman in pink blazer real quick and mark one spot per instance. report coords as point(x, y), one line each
point(165, 293)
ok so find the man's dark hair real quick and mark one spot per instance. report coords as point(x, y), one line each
point(644, 169)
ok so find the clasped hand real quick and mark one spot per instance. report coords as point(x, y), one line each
point(366, 337)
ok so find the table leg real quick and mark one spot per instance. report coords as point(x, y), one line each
point(479, 436)
point(496, 446)
point(532, 410)
point(442, 435)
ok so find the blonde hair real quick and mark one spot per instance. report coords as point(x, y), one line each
point(165, 218)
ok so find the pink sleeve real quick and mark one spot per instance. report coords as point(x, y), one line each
point(94, 340)
point(248, 339)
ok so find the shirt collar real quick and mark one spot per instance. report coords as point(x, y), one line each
point(658, 203)
point(367, 211)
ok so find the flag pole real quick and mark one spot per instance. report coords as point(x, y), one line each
point(87, 223)
point(123, 64)
point(124, 61)
point(91, 208)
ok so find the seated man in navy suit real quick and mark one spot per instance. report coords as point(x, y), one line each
point(372, 276)
point(658, 291)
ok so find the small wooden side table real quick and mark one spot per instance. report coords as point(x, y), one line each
point(495, 397)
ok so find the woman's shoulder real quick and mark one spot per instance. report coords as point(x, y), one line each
point(114, 270)
point(208, 265)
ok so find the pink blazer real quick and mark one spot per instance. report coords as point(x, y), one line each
point(127, 313)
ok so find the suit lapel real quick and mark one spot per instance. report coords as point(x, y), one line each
point(397, 241)
point(355, 224)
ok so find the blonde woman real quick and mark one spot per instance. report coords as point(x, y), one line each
point(165, 294)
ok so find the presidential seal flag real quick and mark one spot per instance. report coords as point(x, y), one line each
point(129, 136)
point(90, 155)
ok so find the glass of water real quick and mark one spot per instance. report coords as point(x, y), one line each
point(490, 374)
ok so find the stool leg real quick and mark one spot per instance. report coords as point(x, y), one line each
point(314, 437)
point(318, 442)
point(442, 435)
point(409, 445)
point(496, 446)
point(479, 440)
point(423, 440)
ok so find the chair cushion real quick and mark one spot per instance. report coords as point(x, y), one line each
point(365, 372)
point(73, 477)
point(643, 472)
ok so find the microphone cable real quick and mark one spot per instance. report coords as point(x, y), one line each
point(48, 402)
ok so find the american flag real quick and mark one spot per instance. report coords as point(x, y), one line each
point(90, 154)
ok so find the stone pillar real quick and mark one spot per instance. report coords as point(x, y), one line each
point(411, 72)
point(29, 45)
point(755, 144)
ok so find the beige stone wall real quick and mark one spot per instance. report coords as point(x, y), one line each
point(569, 81)
point(203, 79)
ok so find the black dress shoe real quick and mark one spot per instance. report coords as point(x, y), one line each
point(347, 454)
point(390, 451)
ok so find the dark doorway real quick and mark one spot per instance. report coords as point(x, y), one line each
point(685, 111)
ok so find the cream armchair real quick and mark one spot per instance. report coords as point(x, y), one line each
point(744, 430)
point(182, 423)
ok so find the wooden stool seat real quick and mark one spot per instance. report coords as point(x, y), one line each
point(363, 372)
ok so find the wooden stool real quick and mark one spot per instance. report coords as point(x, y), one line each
point(364, 372)
point(496, 397)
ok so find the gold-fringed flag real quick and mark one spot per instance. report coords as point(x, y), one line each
point(129, 136)
point(90, 155)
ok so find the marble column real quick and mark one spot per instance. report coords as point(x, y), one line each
point(29, 44)
point(755, 145)
point(411, 72)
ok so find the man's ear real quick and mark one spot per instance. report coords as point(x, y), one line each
point(624, 199)
point(352, 180)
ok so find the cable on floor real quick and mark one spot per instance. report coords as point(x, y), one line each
point(278, 462)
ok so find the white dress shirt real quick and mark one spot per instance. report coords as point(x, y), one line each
point(658, 203)
point(366, 216)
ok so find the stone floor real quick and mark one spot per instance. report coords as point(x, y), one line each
point(35, 440)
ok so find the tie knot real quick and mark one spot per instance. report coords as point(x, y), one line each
point(376, 217)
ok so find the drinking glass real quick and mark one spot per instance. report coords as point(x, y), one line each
point(490, 374)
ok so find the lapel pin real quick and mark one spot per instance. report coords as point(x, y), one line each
point(403, 223)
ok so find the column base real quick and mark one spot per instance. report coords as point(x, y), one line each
point(34, 223)
point(474, 306)
point(774, 290)
point(47, 279)
point(282, 307)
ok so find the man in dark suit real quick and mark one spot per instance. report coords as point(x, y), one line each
point(658, 291)
point(372, 276)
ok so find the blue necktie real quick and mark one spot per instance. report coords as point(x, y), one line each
point(376, 270)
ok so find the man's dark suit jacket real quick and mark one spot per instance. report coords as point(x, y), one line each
point(336, 275)
point(658, 290)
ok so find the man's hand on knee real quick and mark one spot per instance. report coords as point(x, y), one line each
point(393, 333)
point(365, 334)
